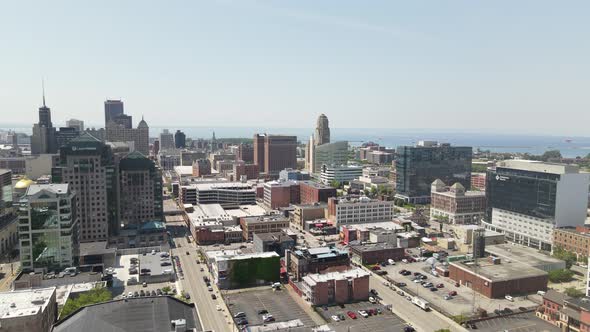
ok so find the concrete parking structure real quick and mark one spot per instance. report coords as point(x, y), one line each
point(524, 322)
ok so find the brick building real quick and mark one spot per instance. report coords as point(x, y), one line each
point(201, 167)
point(496, 279)
point(455, 205)
point(313, 192)
point(315, 260)
point(375, 253)
point(273, 153)
point(249, 170)
point(266, 224)
point(478, 181)
point(246, 153)
point(336, 287)
point(575, 240)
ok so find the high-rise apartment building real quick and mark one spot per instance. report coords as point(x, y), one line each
point(527, 200)
point(273, 153)
point(43, 138)
point(179, 140)
point(112, 108)
point(48, 227)
point(416, 167)
point(88, 166)
point(137, 137)
point(77, 124)
point(140, 190)
point(322, 131)
point(166, 140)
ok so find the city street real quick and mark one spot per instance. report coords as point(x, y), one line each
point(420, 319)
point(192, 282)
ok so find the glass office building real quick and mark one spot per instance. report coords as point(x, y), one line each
point(48, 228)
point(416, 167)
point(527, 200)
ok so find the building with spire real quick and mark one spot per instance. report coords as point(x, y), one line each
point(137, 137)
point(43, 139)
point(321, 152)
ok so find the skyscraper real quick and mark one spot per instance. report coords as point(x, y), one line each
point(526, 200)
point(74, 123)
point(418, 166)
point(166, 140)
point(140, 190)
point(124, 120)
point(43, 138)
point(138, 136)
point(322, 130)
point(112, 108)
point(179, 140)
point(87, 164)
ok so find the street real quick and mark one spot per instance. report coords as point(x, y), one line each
point(192, 282)
point(420, 319)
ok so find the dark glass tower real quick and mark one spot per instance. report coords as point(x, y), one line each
point(418, 166)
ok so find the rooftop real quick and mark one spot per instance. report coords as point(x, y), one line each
point(312, 279)
point(147, 314)
point(386, 225)
point(227, 256)
point(521, 254)
point(222, 185)
point(184, 170)
point(274, 236)
point(153, 263)
point(373, 247)
point(56, 188)
point(95, 248)
point(506, 270)
point(265, 219)
point(25, 302)
point(538, 166)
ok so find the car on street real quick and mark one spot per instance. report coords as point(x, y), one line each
point(433, 289)
point(210, 288)
point(453, 293)
point(351, 314)
point(262, 311)
point(218, 307)
point(188, 253)
point(201, 269)
point(213, 296)
point(409, 329)
point(440, 286)
point(363, 313)
point(447, 297)
point(130, 294)
point(335, 318)
point(401, 284)
point(240, 315)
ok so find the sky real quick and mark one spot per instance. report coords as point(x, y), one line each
point(494, 66)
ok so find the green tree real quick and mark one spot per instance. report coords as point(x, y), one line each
point(569, 257)
point(573, 292)
point(96, 295)
point(166, 289)
point(335, 184)
point(562, 275)
point(551, 154)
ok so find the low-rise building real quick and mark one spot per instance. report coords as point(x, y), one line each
point(455, 205)
point(496, 278)
point(236, 270)
point(526, 256)
point(567, 313)
point(303, 213)
point(147, 314)
point(275, 241)
point(279, 194)
point(313, 192)
point(31, 310)
point(553, 302)
point(265, 224)
point(300, 262)
point(335, 287)
point(351, 210)
point(227, 194)
point(201, 167)
point(375, 253)
point(293, 174)
point(478, 181)
point(341, 174)
point(573, 239)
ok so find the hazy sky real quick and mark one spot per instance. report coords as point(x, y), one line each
point(519, 66)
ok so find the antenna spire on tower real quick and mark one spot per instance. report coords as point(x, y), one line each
point(43, 89)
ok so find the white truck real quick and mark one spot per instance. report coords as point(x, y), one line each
point(421, 303)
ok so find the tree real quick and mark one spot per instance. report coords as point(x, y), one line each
point(166, 289)
point(335, 184)
point(96, 295)
point(573, 292)
point(551, 154)
point(562, 275)
point(569, 257)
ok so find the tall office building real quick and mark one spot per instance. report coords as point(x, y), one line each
point(74, 123)
point(418, 166)
point(329, 154)
point(112, 108)
point(166, 140)
point(140, 190)
point(179, 140)
point(277, 151)
point(124, 120)
point(87, 164)
point(48, 227)
point(526, 200)
point(322, 131)
point(65, 135)
point(246, 153)
point(43, 138)
point(137, 137)
point(8, 219)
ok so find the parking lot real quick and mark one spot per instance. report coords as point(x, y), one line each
point(525, 322)
point(459, 304)
point(386, 321)
point(121, 277)
point(278, 303)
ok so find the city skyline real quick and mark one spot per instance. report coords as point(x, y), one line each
point(442, 66)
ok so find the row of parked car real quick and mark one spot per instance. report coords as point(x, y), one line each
point(141, 293)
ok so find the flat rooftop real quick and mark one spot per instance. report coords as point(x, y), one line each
point(265, 219)
point(373, 247)
point(538, 166)
point(524, 255)
point(27, 302)
point(220, 185)
point(96, 248)
point(314, 278)
point(500, 272)
point(384, 225)
point(242, 256)
point(184, 170)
